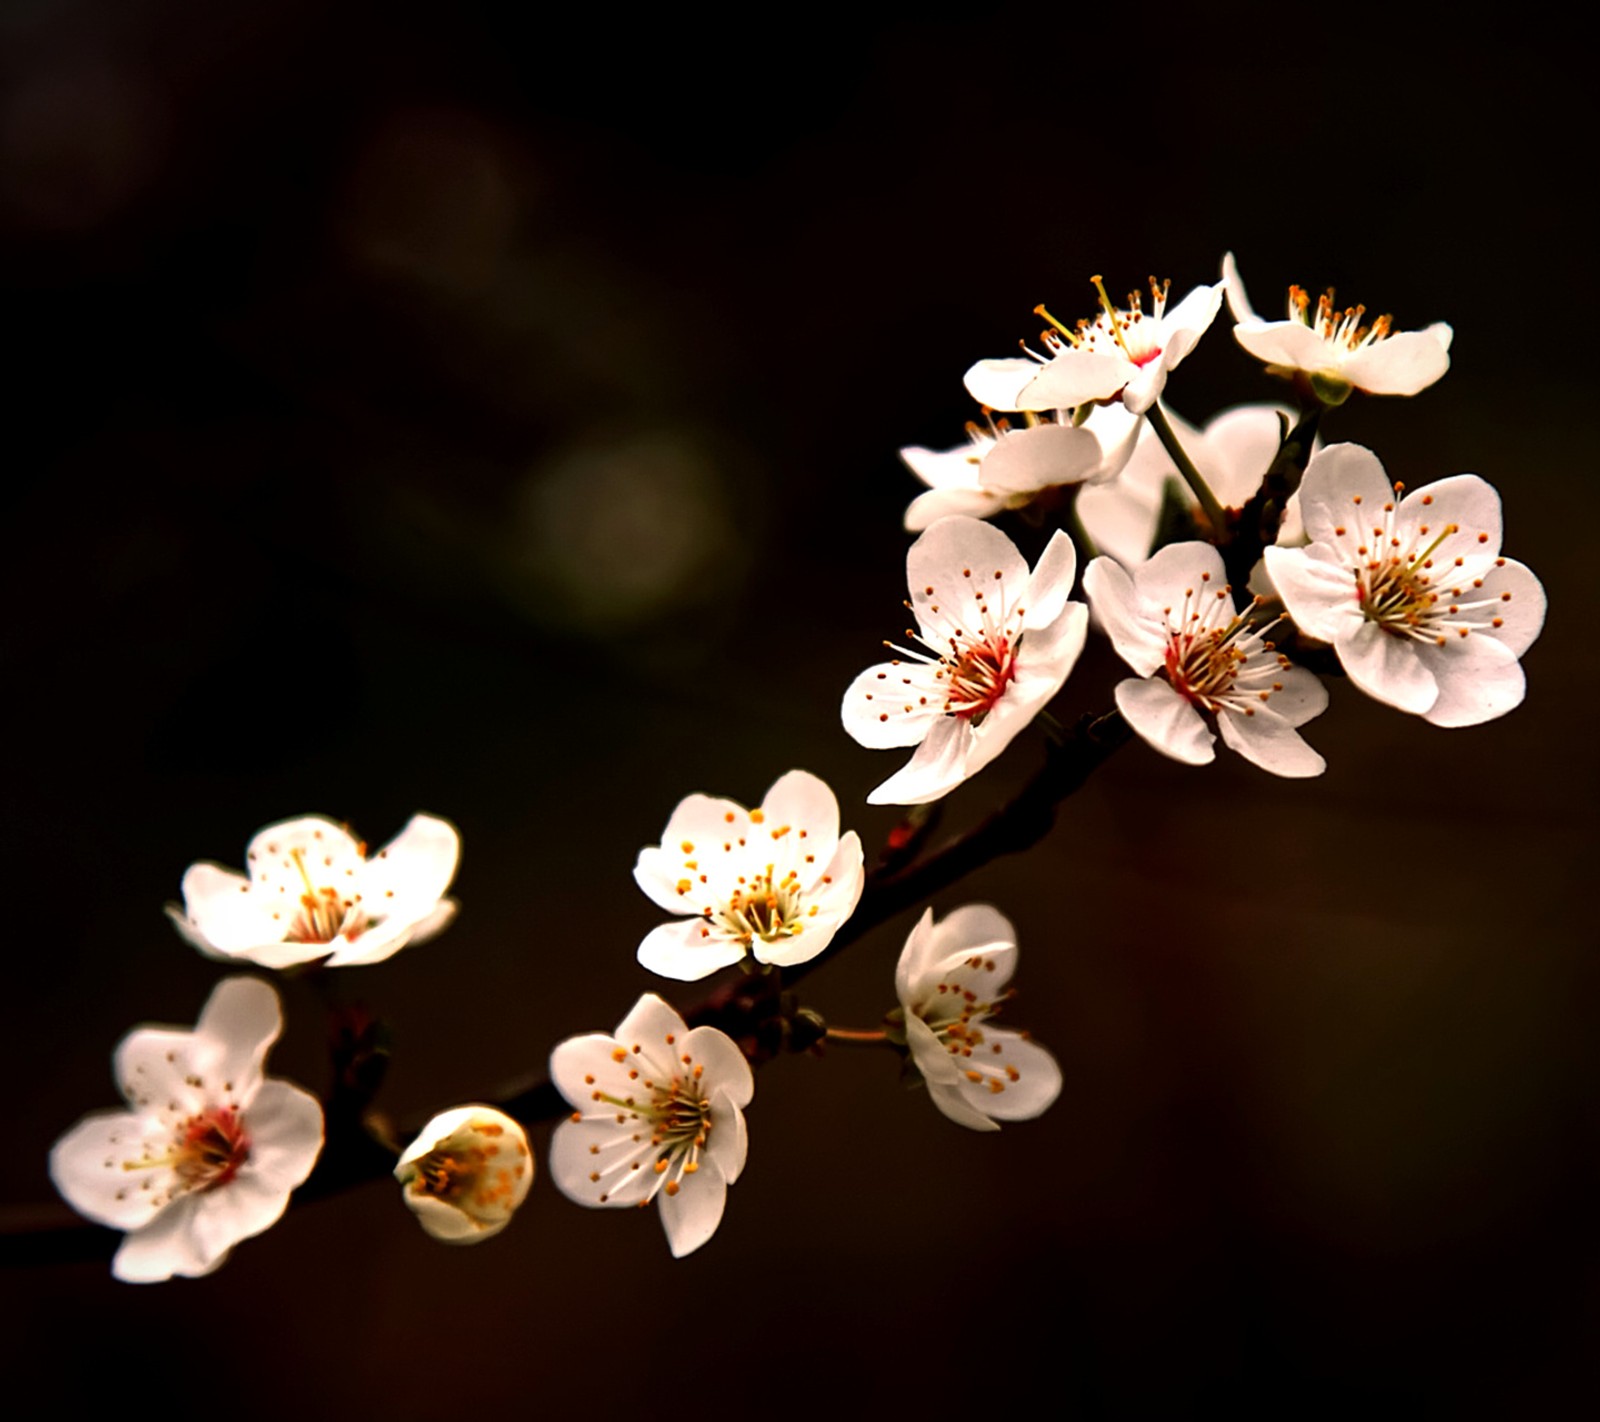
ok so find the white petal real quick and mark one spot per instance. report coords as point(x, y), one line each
point(1166, 720)
point(653, 1026)
point(916, 960)
point(410, 874)
point(1344, 486)
point(956, 558)
point(1074, 377)
point(1465, 500)
point(998, 383)
point(703, 819)
point(936, 767)
point(729, 1143)
point(1286, 343)
point(1268, 740)
point(1302, 697)
point(244, 1207)
point(1317, 588)
point(1233, 285)
point(223, 910)
point(1191, 318)
point(284, 1126)
point(973, 929)
point(928, 508)
point(1388, 667)
point(1398, 365)
point(86, 1166)
point(1442, 332)
point(892, 704)
point(952, 1099)
point(691, 1216)
point(1521, 613)
point(1135, 630)
point(688, 950)
point(1236, 450)
point(1478, 677)
point(239, 1023)
point(947, 468)
point(1144, 387)
point(152, 1066)
point(804, 801)
point(1035, 1089)
point(1181, 575)
point(1050, 583)
point(725, 1066)
point(445, 1222)
point(1121, 519)
point(1045, 456)
point(625, 1167)
point(166, 1246)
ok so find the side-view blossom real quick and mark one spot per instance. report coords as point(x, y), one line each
point(774, 882)
point(466, 1173)
point(1174, 622)
point(1123, 351)
point(209, 1149)
point(1004, 468)
point(997, 642)
point(657, 1115)
point(310, 892)
point(1411, 591)
point(1233, 453)
point(951, 981)
point(1334, 347)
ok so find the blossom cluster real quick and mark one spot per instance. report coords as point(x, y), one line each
point(1406, 592)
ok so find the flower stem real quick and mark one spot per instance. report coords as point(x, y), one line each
point(1191, 476)
point(855, 1037)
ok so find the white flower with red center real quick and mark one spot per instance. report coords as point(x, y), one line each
point(466, 1173)
point(951, 981)
point(773, 883)
point(996, 643)
point(657, 1115)
point(310, 892)
point(209, 1149)
point(1174, 622)
point(1335, 347)
point(1124, 352)
point(1002, 468)
point(1233, 453)
point(1411, 591)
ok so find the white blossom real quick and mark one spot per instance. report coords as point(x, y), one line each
point(310, 892)
point(1123, 351)
point(209, 1149)
point(1233, 453)
point(996, 643)
point(466, 1173)
point(1174, 622)
point(657, 1116)
point(774, 882)
point(951, 981)
point(1335, 347)
point(1411, 591)
point(1002, 467)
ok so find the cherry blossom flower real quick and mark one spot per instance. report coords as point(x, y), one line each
point(209, 1150)
point(1003, 468)
point(951, 980)
point(1412, 592)
point(1124, 352)
point(1233, 453)
point(997, 642)
point(310, 892)
point(1335, 348)
point(657, 1115)
point(466, 1173)
point(1174, 622)
point(774, 882)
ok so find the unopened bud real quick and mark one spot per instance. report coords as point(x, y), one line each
point(467, 1172)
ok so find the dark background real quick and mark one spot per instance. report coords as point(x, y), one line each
point(450, 408)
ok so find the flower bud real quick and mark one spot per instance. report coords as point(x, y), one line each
point(467, 1172)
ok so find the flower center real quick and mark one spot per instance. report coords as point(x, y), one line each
point(680, 1124)
point(764, 907)
point(323, 914)
point(1215, 659)
point(956, 1014)
point(1338, 328)
point(209, 1149)
point(978, 676)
